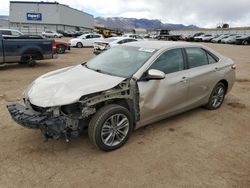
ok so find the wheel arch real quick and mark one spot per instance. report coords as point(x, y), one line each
point(225, 83)
point(126, 103)
point(61, 45)
point(36, 52)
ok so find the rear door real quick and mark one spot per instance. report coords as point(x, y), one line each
point(204, 73)
point(158, 98)
point(95, 38)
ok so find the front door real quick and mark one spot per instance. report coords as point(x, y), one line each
point(160, 98)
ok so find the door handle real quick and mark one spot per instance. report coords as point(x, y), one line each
point(216, 69)
point(184, 79)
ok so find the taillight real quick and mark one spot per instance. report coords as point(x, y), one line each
point(54, 47)
point(233, 66)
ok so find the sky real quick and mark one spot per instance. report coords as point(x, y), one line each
point(203, 13)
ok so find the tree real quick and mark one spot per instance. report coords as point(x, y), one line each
point(225, 25)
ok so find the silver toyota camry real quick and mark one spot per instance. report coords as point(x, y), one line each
point(125, 88)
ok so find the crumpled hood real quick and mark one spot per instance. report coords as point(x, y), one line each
point(68, 85)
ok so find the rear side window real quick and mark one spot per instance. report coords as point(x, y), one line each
point(211, 59)
point(131, 40)
point(89, 36)
point(196, 57)
point(96, 36)
point(126, 40)
point(122, 41)
point(169, 62)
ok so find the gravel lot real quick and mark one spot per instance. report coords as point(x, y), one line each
point(199, 148)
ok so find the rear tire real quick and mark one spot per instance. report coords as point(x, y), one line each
point(110, 127)
point(217, 97)
point(79, 45)
point(245, 42)
point(29, 60)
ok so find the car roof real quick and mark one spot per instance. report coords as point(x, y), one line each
point(8, 30)
point(120, 38)
point(161, 44)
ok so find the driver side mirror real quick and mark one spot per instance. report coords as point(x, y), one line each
point(154, 74)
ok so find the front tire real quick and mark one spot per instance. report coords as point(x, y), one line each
point(217, 97)
point(60, 49)
point(110, 127)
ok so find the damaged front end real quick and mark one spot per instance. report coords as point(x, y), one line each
point(70, 120)
point(51, 125)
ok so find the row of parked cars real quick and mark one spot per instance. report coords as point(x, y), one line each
point(60, 33)
point(99, 43)
point(222, 38)
point(88, 39)
point(61, 46)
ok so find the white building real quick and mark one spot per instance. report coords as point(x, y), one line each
point(36, 17)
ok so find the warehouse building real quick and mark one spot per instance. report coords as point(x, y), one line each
point(36, 17)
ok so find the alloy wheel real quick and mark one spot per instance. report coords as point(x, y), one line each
point(218, 96)
point(115, 130)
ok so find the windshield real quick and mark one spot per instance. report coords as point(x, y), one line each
point(121, 61)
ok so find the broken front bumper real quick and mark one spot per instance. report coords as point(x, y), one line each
point(50, 126)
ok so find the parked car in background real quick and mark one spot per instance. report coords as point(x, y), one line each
point(208, 38)
point(85, 40)
point(202, 37)
point(198, 38)
point(245, 40)
point(10, 33)
point(18, 50)
point(135, 36)
point(61, 46)
point(125, 88)
point(230, 39)
point(219, 38)
point(51, 34)
point(100, 46)
point(191, 37)
point(64, 33)
point(184, 37)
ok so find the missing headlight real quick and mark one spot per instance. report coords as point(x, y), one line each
point(71, 109)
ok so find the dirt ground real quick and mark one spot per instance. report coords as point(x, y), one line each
point(199, 148)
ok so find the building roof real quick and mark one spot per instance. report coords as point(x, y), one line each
point(48, 3)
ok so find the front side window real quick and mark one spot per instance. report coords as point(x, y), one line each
point(169, 62)
point(196, 57)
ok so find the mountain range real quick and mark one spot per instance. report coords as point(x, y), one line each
point(131, 23)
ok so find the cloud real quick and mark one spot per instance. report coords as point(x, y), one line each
point(198, 12)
